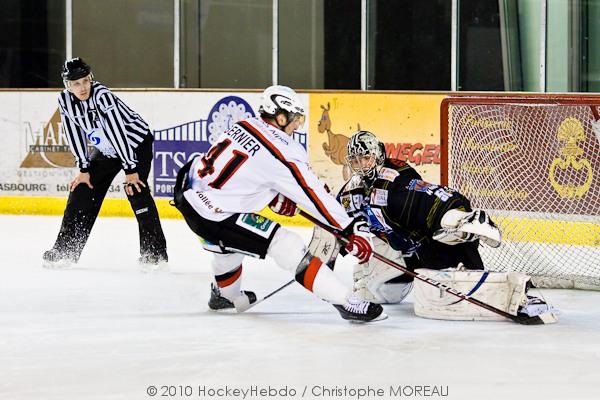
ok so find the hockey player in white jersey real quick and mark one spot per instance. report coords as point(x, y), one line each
point(253, 164)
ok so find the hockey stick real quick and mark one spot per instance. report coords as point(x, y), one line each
point(241, 303)
point(521, 319)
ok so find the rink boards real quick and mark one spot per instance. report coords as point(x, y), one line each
point(37, 165)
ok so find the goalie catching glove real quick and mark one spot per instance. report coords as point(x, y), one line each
point(283, 206)
point(460, 227)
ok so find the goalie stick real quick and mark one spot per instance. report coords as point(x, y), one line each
point(521, 319)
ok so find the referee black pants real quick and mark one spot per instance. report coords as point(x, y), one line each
point(84, 205)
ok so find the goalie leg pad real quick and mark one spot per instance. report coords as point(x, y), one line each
point(370, 278)
point(394, 293)
point(503, 290)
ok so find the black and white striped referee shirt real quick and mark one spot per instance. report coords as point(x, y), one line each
point(104, 121)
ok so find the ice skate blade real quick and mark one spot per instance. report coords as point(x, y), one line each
point(150, 268)
point(222, 310)
point(58, 265)
point(380, 317)
point(542, 319)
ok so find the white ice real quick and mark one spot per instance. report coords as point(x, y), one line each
point(104, 330)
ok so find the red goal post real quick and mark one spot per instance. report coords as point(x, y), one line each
point(532, 161)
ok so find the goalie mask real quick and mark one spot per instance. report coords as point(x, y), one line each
point(366, 154)
point(279, 99)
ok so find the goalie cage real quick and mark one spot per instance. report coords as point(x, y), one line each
point(532, 161)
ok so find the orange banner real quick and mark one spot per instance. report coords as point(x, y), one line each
point(408, 124)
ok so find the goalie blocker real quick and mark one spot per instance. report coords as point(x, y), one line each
point(506, 291)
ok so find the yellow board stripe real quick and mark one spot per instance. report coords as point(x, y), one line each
point(513, 229)
point(549, 231)
point(111, 208)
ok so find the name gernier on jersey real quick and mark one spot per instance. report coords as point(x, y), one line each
point(246, 168)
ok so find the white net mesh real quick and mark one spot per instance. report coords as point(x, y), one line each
point(535, 165)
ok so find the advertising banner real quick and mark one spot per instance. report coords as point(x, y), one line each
point(37, 162)
point(36, 157)
point(408, 124)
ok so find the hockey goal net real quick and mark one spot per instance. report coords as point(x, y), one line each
point(534, 163)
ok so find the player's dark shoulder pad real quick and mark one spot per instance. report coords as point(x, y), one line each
point(396, 164)
point(395, 170)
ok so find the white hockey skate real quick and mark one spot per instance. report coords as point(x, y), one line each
point(374, 285)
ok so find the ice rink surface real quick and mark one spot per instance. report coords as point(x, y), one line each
point(104, 330)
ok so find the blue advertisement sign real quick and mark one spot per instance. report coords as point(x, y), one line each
point(175, 146)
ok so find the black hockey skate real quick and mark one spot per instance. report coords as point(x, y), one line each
point(218, 302)
point(153, 263)
point(54, 259)
point(359, 310)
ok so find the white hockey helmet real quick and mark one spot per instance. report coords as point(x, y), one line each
point(366, 154)
point(281, 99)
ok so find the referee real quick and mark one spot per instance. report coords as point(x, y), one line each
point(120, 139)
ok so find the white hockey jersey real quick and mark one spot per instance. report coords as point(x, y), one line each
point(246, 168)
